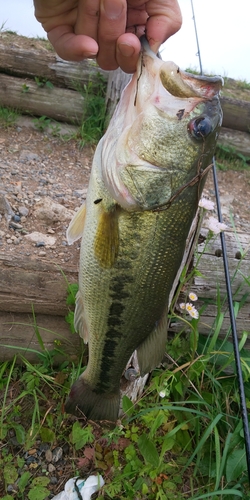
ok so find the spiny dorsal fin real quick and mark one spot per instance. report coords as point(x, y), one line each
point(107, 238)
point(76, 226)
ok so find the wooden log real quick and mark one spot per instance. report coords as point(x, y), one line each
point(26, 96)
point(38, 61)
point(28, 281)
point(117, 81)
point(240, 141)
point(18, 336)
point(236, 114)
point(212, 278)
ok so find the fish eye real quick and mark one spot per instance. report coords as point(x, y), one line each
point(200, 127)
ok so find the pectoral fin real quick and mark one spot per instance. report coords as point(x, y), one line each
point(107, 238)
point(75, 229)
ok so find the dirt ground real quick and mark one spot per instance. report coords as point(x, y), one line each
point(37, 168)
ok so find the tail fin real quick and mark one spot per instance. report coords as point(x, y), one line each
point(83, 400)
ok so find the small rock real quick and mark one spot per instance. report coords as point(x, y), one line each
point(23, 211)
point(42, 254)
point(29, 156)
point(53, 480)
point(40, 244)
point(36, 237)
point(31, 460)
point(48, 455)
point(5, 208)
point(51, 468)
point(32, 451)
point(15, 225)
point(43, 448)
point(57, 454)
point(50, 211)
point(16, 218)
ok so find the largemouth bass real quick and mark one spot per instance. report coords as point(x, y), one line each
point(147, 177)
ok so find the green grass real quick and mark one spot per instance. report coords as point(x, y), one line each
point(227, 158)
point(94, 118)
point(8, 117)
point(183, 438)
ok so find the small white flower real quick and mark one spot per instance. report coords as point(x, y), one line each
point(207, 204)
point(193, 296)
point(183, 305)
point(162, 394)
point(215, 226)
point(194, 313)
point(189, 306)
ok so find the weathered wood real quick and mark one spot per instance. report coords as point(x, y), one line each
point(236, 114)
point(212, 278)
point(26, 96)
point(117, 81)
point(27, 282)
point(240, 141)
point(45, 64)
point(18, 336)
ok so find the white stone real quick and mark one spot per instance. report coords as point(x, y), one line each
point(37, 237)
point(50, 211)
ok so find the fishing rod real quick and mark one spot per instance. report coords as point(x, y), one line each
point(239, 374)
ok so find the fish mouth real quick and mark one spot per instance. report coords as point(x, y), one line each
point(181, 83)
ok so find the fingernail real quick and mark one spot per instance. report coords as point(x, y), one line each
point(126, 50)
point(113, 8)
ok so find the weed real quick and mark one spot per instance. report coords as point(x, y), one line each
point(229, 159)
point(8, 117)
point(43, 82)
point(25, 88)
point(94, 119)
point(43, 124)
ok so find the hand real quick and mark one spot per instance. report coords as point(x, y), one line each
point(107, 29)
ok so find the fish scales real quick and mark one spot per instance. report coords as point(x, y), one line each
point(147, 177)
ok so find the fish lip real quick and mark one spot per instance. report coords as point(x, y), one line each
point(188, 84)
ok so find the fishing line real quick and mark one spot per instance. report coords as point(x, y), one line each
point(239, 374)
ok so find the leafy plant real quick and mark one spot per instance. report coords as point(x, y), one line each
point(43, 82)
point(43, 123)
point(228, 158)
point(94, 119)
point(8, 117)
point(25, 88)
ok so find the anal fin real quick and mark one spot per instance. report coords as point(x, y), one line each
point(151, 352)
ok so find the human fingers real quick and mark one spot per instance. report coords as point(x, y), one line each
point(72, 47)
point(112, 24)
point(165, 19)
point(128, 50)
point(87, 18)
